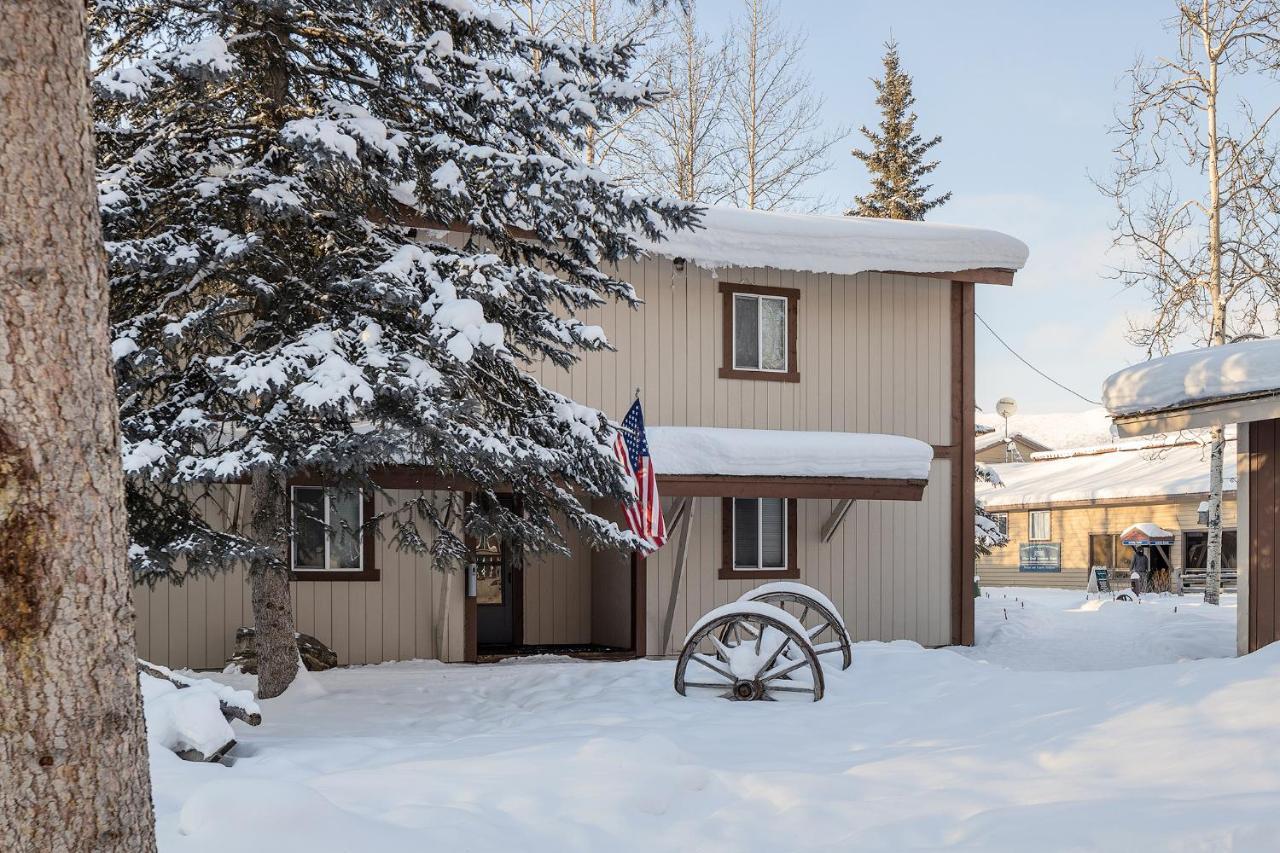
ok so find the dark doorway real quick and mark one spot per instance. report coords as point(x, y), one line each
point(496, 603)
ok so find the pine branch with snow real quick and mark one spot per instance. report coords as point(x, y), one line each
point(273, 179)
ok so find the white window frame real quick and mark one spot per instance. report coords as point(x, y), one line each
point(328, 533)
point(1031, 525)
point(786, 533)
point(786, 337)
point(1002, 521)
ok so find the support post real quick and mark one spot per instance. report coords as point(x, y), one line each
point(684, 519)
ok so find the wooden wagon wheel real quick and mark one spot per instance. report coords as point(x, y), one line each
point(749, 651)
point(814, 610)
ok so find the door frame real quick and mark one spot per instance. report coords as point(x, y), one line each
point(470, 610)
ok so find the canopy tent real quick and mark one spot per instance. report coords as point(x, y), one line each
point(1146, 533)
point(722, 462)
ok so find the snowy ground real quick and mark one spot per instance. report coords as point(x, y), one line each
point(1015, 745)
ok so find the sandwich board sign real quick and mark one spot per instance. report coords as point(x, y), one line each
point(1099, 580)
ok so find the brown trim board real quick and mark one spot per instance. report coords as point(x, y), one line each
point(854, 488)
point(962, 485)
point(368, 543)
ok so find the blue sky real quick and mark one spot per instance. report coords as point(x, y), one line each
point(1023, 94)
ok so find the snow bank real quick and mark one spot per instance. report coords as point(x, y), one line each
point(783, 453)
point(1179, 470)
point(837, 244)
point(1198, 376)
point(183, 719)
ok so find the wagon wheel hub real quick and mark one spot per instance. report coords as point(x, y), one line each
point(748, 691)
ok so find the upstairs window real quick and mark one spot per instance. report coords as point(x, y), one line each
point(760, 329)
point(1038, 526)
point(329, 542)
point(759, 538)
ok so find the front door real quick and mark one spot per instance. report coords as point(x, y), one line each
point(495, 595)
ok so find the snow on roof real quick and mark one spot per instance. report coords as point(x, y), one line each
point(844, 245)
point(1168, 439)
point(1056, 430)
point(1179, 470)
point(1197, 376)
point(782, 453)
point(991, 439)
point(1145, 532)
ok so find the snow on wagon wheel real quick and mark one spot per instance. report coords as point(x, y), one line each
point(747, 651)
point(821, 620)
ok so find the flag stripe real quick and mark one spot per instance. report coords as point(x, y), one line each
point(644, 516)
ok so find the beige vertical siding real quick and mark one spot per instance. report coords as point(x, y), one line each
point(874, 356)
point(1072, 526)
point(557, 595)
point(873, 351)
point(194, 624)
point(887, 568)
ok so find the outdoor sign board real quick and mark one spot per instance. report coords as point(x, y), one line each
point(1040, 557)
point(1102, 577)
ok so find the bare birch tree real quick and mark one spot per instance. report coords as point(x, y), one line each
point(678, 147)
point(1198, 194)
point(73, 754)
point(639, 22)
point(776, 139)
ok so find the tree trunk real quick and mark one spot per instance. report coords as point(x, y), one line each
point(1213, 565)
point(1218, 330)
point(275, 643)
point(73, 752)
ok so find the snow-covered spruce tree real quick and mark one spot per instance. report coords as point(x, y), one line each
point(262, 163)
point(896, 160)
point(987, 535)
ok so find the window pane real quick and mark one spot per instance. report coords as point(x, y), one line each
point(773, 334)
point(1039, 524)
point(344, 530)
point(773, 533)
point(746, 332)
point(1101, 550)
point(308, 528)
point(746, 552)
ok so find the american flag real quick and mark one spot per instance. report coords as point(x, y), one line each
point(644, 517)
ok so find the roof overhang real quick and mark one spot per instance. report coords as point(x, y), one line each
point(1227, 410)
point(822, 488)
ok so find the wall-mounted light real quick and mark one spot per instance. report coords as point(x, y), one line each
point(679, 264)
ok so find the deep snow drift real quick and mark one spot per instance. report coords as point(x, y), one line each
point(911, 748)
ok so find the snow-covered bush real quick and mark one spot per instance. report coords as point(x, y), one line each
point(189, 720)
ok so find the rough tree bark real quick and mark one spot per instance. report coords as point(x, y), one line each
point(269, 584)
point(73, 754)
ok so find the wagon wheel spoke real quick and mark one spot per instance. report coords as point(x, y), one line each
point(789, 688)
point(785, 670)
point(818, 629)
point(722, 651)
point(773, 657)
point(759, 639)
point(804, 614)
point(711, 666)
point(719, 686)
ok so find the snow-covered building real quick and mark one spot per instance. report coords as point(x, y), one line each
point(1065, 511)
point(808, 382)
point(1234, 384)
point(991, 447)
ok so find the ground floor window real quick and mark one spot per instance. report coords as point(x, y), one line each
point(1104, 550)
point(759, 537)
point(1002, 521)
point(1038, 527)
point(1196, 549)
point(329, 541)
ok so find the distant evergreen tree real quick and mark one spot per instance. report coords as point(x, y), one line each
point(262, 164)
point(896, 160)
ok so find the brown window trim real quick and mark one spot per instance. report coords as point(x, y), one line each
point(727, 370)
point(729, 573)
point(370, 571)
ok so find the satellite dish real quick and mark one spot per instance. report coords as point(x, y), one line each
point(1006, 407)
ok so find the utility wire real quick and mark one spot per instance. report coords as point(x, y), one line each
point(1032, 366)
